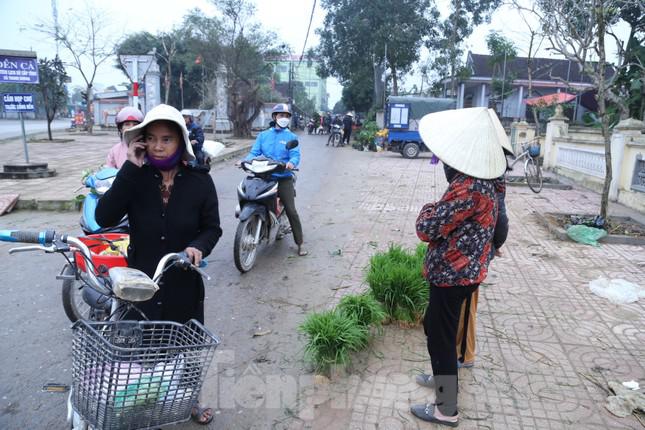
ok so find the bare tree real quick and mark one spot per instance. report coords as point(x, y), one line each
point(577, 30)
point(169, 45)
point(84, 36)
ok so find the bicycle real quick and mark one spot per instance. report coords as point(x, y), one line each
point(532, 170)
point(128, 374)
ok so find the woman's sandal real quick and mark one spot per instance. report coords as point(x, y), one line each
point(302, 251)
point(201, 415)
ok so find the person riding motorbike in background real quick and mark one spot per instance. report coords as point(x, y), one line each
point(195, 135)
point(127, 118)
point(272, 144)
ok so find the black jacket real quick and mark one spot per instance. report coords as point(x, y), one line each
point(347, 122)
point(195, 132)
point(191, 218)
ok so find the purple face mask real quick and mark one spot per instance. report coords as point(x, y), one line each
point(168, 162)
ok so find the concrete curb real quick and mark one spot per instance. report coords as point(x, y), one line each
point(48, 205)
point(74, 206)
point(560, 234)
point(232, 154)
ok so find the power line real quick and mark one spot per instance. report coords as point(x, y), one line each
point(311, 18)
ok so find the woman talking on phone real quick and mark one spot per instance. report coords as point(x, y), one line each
point(171, 208)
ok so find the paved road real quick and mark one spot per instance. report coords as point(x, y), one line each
point(274, 296)
point(11, 128)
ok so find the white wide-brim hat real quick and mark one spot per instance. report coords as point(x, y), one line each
point(162, 113)
point(468, 140)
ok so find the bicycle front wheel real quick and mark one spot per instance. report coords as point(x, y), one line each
point(533, 175)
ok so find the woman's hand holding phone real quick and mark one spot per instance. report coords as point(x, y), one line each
point(137, 152)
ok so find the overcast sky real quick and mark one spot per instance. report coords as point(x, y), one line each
point(288, 18)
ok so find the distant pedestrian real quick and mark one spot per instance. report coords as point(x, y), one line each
point(348, 122)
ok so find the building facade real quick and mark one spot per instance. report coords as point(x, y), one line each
point(303, 71)
point(549, 76)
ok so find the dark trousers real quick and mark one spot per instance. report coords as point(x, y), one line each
point(347, 133)
point(287, 194)
point(440, 326)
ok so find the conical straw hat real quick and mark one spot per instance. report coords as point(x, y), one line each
point(506, 144)
point(468, 140)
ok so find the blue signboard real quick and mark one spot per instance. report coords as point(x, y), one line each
point(18, 102)
point(18, 70)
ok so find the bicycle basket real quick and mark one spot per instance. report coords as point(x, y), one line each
point(138, 374)
point(534, 150)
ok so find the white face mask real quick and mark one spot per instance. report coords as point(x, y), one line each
point(283, 122)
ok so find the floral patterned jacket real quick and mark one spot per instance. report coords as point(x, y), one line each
point(459, 229)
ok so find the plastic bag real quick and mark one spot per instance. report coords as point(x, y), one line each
point(585, 234)
point(617, 291)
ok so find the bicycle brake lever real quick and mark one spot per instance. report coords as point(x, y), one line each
point(201, 272)
point(32, 248)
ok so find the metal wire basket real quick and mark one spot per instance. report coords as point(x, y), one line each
point(138, 374)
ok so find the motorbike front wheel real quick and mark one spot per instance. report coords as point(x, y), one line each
point(244, 248)
point(73, 303)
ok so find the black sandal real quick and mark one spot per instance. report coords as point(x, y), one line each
point(198, 413)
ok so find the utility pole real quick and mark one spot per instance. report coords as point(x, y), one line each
point(55, 15)
point(290, 80)
point(503, 83)
point(384, 77)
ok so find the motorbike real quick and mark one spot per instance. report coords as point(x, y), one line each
point(262, 219)
point(99, 183)
point(336, 136)
point(115, 352)
point(80, 302)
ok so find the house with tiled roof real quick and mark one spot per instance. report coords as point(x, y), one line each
point(550, 75)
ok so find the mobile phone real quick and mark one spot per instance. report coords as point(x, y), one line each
point(139, 151)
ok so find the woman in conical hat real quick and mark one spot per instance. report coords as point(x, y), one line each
point(459, 230)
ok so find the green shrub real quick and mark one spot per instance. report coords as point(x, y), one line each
point(367, 134)
point(396, 280)
point(363, 308)
point(332, 336)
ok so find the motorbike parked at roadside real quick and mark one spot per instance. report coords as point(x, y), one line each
point(262, 219)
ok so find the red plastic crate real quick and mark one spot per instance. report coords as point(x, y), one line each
point(96, 243)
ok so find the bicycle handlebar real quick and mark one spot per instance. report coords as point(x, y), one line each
point(45, 237)
point(182, 260)
point(49, 237)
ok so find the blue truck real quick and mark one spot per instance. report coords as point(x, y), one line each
point(402, 115)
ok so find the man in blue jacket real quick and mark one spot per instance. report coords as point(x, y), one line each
point(272, 144)
point(195, 135)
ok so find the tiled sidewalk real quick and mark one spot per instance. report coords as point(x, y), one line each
point(546, 345)
point(70, 159)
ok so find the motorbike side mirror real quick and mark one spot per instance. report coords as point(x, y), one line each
point(292, 144)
